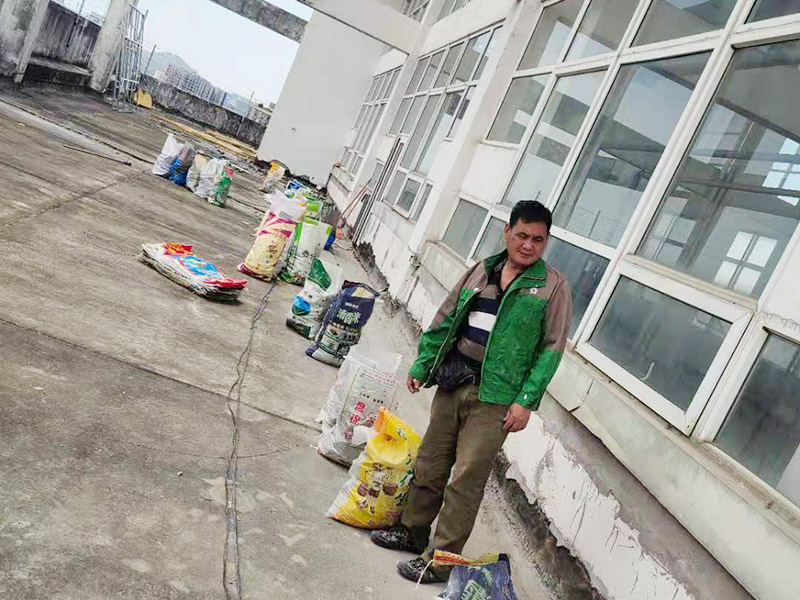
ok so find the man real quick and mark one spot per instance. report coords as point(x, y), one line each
point(493, 347)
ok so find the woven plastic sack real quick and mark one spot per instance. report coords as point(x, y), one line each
point(180, 166)
point(377, 491)
point(223, 187)
point(487, 578)
point(193, 175)
point(169, 153)
point(272, 236)
point(210, 177)
point(308, 241)
point(309, 307)
point(343, 324)
point(366, 382)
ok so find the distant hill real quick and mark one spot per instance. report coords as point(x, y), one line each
point(161, 60)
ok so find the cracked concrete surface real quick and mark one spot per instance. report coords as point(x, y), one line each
point(113, 417)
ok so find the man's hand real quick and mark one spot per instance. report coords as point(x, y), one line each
point(516, 418)
point(413, 385)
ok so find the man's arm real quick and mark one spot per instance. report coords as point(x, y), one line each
point(431, 341)
point(548, 355)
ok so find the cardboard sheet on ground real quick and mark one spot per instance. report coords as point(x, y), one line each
point(178, 263)
point(377, 491)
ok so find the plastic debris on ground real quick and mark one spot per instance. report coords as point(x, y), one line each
point(486, 578)
point(377, 490)
point(308, 240)
point(178, 263)
point(172, 147)
point(309, 307)
point(366, 382)
point(263, 261)
point(343, 323)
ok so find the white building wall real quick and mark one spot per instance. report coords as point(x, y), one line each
point(321, 98)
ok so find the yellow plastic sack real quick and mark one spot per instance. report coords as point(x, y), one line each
point(273, 234)
point(376, 493)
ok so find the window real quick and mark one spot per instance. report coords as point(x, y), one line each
point(551, 34)
point(517, 109)
point(492, 241)
point(464, 227)
point(461, 111)
point(440, 127)
point(419, 70)
point(486, 55)
point(449, 63)
point(664, 343)
point(625, 145)
point(582, 270)
point(422, 201)
point(376, 175)
point(411, 118)
point(553, 138)
point(419, 131)
point(762, 430)
point(394, 189)
point(402, 111)
point(472, 55)
point(767, 9)
point(451, 6)
point(407, 196)
point(733, 205)
point(416, 9)
point(430, 71)
point(602, 27)
point(668, 19)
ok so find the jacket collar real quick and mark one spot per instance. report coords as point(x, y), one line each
point(537, 272)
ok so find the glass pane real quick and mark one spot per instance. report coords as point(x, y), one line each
point(550, 35)
point(663, 342)
point(430, 71)
point(669, 19)
point(370, 130)
point(517, 108)
point(421, 204)
point(464, 227)
point(416, 106)
point(408, 194)
point(416, 139)
point(486, 55)
point(475, 49)
point(372, 89)
point(602, 28)
point(394, 189)
point(492, 241)
point(447, 8)
point(625, 145)
point(401, 114)
point(735, 200)
point(582, 269)
point(767, 9)
point(388, 91)
point(418, 71)
point(449, 64)
point(553, 137)
point(440, 127)
point(762, 431)
point(364, 125)
point(461, 111)
point(357, 164)
point(376, 174)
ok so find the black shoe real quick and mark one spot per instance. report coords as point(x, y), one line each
point(398, 537)
point(419, 570)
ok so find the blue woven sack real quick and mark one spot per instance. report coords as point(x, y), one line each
point(485, 582)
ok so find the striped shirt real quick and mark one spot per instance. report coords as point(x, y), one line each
point(474, 334)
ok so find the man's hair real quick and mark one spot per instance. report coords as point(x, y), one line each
point(531, 211)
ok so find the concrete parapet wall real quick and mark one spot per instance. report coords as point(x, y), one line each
point(174, 100)
point(65, 36)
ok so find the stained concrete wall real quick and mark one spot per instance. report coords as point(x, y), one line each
point(228, 122)
point(65, 36)
point(19, 23)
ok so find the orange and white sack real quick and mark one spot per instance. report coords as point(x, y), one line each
point(377, 491)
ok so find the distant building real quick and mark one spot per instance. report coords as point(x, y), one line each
point(160, 76)
point(194, 84)
point(260, 113)
point(236, 103)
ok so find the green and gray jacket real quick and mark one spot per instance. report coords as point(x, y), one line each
point(526, 342)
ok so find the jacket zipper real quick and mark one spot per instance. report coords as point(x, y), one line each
point(449, 333)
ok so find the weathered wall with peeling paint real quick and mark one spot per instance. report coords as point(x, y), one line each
point(65, 36)
point(174, 100)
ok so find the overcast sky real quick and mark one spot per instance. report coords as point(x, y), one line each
point(230, 51)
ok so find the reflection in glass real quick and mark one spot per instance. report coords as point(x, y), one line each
point(416, 106)
point(550, 35)
point(663, 342)
point(768, 9)
point(464, 227)
point(438, 131)
point(492, 241)
point(735, 200)
point(487, 55)
point(401, 114)
point(449, 64)
point(408, 195)
point(415, 78)
point(517, 108)
point(602, 27)
point(394, 188)
point(430, 71)
point(582, 270)
point(422, 201)
point(670, 19)
point(473, 53)
point(415, 140)
point(627, 141)
point(553, 137)
point(762, 431)
point(461, 111)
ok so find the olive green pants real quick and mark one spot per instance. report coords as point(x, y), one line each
point(464, 436)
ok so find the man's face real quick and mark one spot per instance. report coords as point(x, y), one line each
point(525, 242)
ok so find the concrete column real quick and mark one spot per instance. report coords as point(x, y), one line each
point(20, 22)
point(107, 46)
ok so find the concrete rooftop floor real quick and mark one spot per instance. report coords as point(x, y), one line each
point(113, 419)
